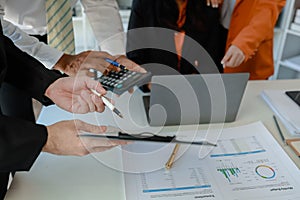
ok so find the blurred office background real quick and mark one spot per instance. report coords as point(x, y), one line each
point(286, 39)
point(84, 38)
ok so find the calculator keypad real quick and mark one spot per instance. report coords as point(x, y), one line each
point(121, 81)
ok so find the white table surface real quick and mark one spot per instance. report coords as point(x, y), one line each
point(99, 176)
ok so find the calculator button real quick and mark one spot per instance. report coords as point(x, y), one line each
point(119, 86)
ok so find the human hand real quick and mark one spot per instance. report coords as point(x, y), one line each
point(130, 65)
point(63, 139)
point(214, 3)
point(75, 95)
point(233, 57)
point(81, 64)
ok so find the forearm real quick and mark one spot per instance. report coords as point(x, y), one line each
point(20, 143)
point(260, 27)
point(47, 55)
point(27, 73)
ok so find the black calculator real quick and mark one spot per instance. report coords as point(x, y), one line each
point(121, 81)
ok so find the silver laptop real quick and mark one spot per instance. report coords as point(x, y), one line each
point(194, 99)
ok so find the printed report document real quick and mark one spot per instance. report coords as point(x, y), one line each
point(246, 164)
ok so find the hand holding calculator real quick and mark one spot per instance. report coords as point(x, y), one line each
point(121, 81)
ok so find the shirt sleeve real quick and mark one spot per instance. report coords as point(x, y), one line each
point(101, 14)
point(47, 55)
point(258, 30)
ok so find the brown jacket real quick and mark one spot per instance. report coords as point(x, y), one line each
point(252, 30)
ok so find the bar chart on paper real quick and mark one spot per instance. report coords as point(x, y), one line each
point(247, 164)
point(229, 172)
point(243, 164)
point(254, 172)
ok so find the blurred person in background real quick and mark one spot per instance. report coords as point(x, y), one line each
point(249, 46)
point(195, 19)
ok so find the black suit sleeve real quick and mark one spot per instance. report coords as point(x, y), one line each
point(22, 141)
point(26, 73)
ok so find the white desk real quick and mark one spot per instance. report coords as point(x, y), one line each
point(60, 177)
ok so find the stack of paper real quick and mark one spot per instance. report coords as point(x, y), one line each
point(285, 108)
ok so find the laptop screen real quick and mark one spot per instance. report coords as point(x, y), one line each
point(194, 99)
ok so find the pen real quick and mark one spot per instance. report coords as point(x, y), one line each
point(279, 129)
point(170, 162)
point(108, 103)
point(115, 63)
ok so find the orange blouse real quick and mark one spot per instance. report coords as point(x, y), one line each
point(251, 30)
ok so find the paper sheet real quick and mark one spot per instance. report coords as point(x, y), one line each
point(247, 164)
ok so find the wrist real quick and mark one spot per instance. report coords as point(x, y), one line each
point(63, 62)
point(46, 146)
point(48, 91)
point(71, 64)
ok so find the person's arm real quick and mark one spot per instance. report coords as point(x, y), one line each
point(27, 73)
point(71, 94)
point(53, 58)
point(29, 44)
point(69, 143)
point(20, 143)
point(106, 23)
point(259, 28)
